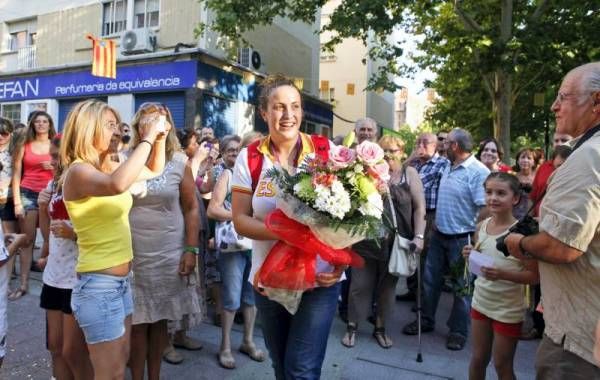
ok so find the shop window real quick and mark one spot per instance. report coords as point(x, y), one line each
point(11, 111)
point(37, 106)
point(145, 13)
point(114, 17)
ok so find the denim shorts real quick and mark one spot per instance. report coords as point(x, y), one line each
point(100, 303)
point(235, 270)
point(29, 199)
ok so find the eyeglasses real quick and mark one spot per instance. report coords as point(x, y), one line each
point(5, 134)
point(562, 96)
point(424, 142)
point(391, 151)
point(112, 126)
point(563, 140)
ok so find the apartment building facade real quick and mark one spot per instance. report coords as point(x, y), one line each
point(45, 62)
point(344, 78)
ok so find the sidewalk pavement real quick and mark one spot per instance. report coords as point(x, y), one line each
point(27, 357)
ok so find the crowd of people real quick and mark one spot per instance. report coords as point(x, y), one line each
point(134, 219)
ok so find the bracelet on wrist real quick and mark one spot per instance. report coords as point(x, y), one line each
point(191, 249)
point(524, 252)
point(146, 141)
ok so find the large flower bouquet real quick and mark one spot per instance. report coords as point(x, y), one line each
point(322, 209)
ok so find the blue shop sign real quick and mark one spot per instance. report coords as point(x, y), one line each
point(158, 77)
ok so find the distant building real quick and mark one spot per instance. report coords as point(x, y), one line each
point(411, 107)
point(343, 78)
point(45, 62)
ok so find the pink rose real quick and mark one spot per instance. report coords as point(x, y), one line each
point(380, 172)
point(341, 157)
point(369, 152)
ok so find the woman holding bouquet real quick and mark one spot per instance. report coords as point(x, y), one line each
point(296, 342)
point(406, 192)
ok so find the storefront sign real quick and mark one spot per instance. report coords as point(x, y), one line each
point(159, 77)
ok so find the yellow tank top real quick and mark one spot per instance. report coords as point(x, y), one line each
point(103, 233)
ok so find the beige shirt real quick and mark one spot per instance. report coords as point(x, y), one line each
point(570, 212)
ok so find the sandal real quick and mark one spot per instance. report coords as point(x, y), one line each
point(349, 338)
point(171, 356)
point(187, 343)
point(252, 351)
point(383, 340)
point(16, 294)
point(226, 359)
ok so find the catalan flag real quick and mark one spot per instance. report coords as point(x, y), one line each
point(104, 57)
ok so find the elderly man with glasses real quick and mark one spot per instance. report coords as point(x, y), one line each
point(568, 244)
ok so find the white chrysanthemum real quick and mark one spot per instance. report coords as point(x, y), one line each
point(373, 206)
point(358, 168)
point(337, 187)
point(337, 204)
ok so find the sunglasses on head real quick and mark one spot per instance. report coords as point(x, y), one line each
point(151, 107)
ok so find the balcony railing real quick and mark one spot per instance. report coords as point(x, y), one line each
point(27, 58)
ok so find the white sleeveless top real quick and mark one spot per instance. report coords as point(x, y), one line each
point(500, 300)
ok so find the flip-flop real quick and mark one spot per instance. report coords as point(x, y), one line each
point(16, 294)
point(349, 339)
point(253, 352)
point(226, 359)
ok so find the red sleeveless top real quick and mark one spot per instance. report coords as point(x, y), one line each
point(35, 177)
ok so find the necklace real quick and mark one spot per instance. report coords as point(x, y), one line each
point(295, 152)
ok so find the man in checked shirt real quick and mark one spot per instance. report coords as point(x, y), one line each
point(430, 166)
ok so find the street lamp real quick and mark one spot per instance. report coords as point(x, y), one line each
point(538, 101)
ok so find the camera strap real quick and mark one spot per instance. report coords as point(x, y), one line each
point(586, 136)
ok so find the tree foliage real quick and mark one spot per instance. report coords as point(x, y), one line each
point(465, 47)
point(489, 56)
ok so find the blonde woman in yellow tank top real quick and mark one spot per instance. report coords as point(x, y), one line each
point(96, 195)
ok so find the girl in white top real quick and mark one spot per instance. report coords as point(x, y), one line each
point(499, 296)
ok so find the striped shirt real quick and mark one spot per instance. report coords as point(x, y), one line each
point(431, 173)
point(460, 197)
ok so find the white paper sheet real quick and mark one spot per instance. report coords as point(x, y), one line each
point(478, 260)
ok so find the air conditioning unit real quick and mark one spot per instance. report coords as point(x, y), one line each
point(138, 41)
point(249, 58)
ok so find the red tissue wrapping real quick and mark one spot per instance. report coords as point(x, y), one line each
point(291, 263)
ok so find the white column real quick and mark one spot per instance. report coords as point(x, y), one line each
point(125, 106)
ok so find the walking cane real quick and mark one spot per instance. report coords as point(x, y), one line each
point(413, 248)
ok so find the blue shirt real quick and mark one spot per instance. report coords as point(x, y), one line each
point(460, 197)
point(431, 173)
